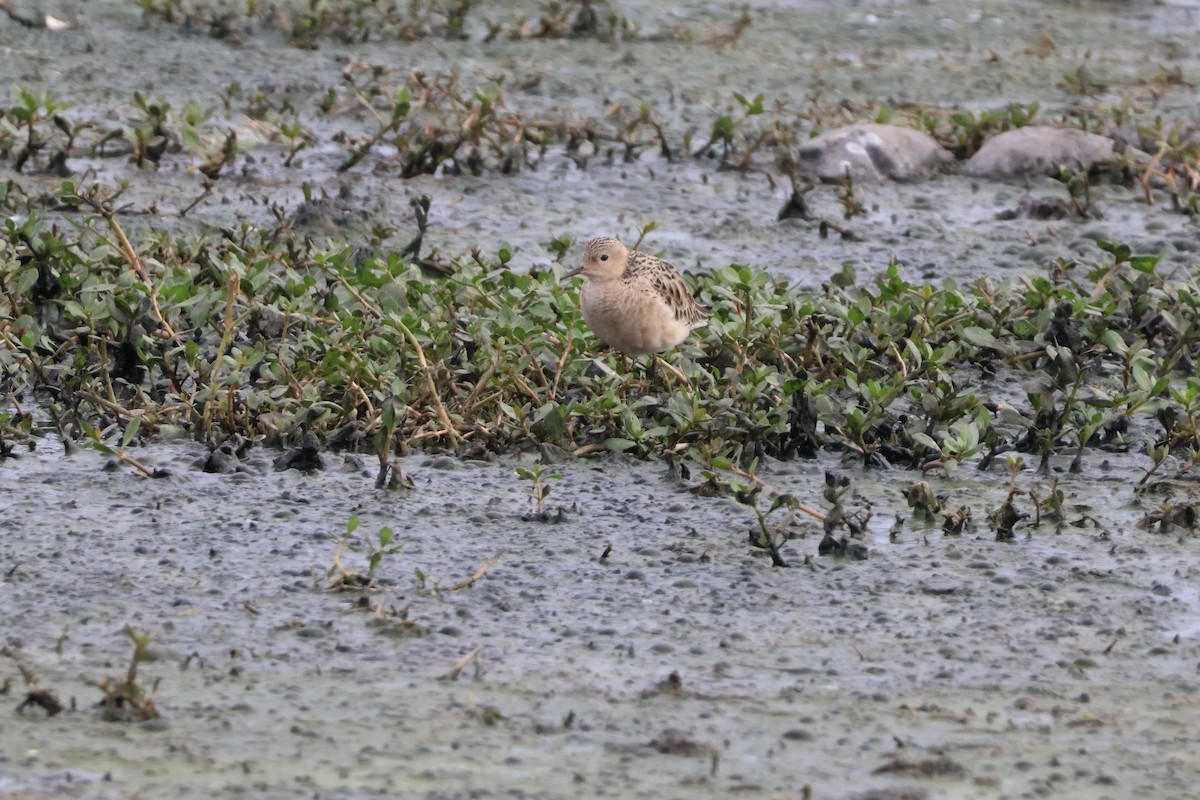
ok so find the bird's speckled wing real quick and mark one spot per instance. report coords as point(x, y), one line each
point(663, 279)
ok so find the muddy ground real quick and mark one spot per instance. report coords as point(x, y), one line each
point(1063, 664)
point(800, 56)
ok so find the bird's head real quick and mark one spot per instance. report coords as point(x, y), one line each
point(602, 258)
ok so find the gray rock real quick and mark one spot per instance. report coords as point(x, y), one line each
point(872, 153)
point(1039, 151)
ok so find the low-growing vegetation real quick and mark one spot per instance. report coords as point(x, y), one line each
point(306, 23)
point(264, 335)
point(413, 122)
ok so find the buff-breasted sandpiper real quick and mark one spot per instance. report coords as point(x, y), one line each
point(636, 303)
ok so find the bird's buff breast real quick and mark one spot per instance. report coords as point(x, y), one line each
point(634, 322)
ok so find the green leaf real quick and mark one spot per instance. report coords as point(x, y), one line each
point(1145, 264)
point(385, 536)
point(1141, 378)
point(619, 445)
point(1113, 341)
point(402, 104)
point(25, 280)
point(1120, 252)
point(793, 385)
point(920, 437)
point(968, 440)
point(130, 431)
point(723, 128)
point(549, 422)
point(982, 338)
point(191, 139)
point(352, 523)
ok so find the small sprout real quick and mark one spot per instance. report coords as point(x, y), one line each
point(126, 699)
point(342, 578)
point(538, 489)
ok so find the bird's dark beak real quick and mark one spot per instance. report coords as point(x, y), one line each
point(577, 271)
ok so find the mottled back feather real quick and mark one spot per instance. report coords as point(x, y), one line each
point(667, 282)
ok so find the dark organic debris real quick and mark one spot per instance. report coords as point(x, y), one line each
point(929, 768)
point(842, 548)
point(955, 521)
point(676, 743)
point(1063, 331)
point(800, 435)
point(766, 540)
point(795, 208)
point(1168, 516)
point(227, 457)
point(126, 699)
point(1046, 208)
point(393, 478)
point(921, 499)
point(555, 517)
point(671, 685)
point(306, 458)
point(892, 794)
point(44, 699)
point(836, 487)
point(1005, 518)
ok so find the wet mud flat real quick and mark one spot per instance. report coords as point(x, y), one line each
point(817, 64)
point(1063, 663)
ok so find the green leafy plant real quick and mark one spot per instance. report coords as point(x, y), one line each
point(538, 489)
point(727, 131)
point(126, 699)
point(31, 118)
point(378, 548)
point(969, 129)
point(263, 334)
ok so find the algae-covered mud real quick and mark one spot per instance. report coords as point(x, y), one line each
point(592, 134)
point(680, 664)
point(913, 517)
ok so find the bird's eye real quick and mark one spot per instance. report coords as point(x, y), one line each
point(604, 257)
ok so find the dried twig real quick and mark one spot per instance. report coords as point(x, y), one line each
point(479, 573)
point(235, 282)
point(109, 214)
point(797, 505)
point(430, 384)
point(462, 663)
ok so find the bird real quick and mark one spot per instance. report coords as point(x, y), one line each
point(636, 303)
